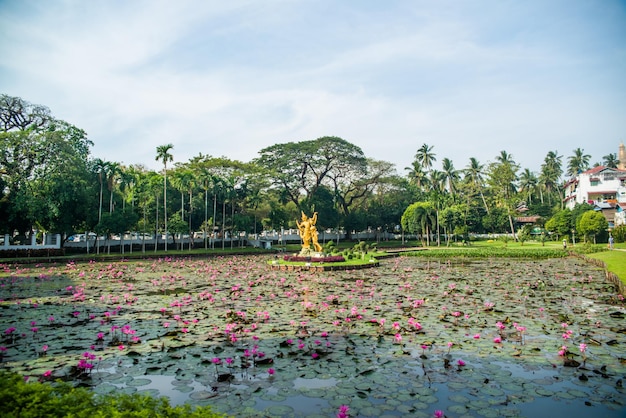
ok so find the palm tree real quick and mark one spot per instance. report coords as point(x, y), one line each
point(610, 160)
point(425, 156)
point(99, 166)
point(528, 183)
point(551, 172)
point(417, 175)
point(502, 179)
point(164, 156)
point(578, 162)
point(451, 175)
point(474, 170)
point(505, 158)
point(112, 171)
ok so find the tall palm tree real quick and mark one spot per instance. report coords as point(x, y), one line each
point(112, 171)
point(610, 160)
point(451, 175)
point(164, 155)
point(551, 171)
point(528, 183)
point(417, 175)
point(474, 170)
point(99, 166)
point(425, 156)
point(505, 158)
point(578, 162)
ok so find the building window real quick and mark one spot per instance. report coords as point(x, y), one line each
point(595, 182)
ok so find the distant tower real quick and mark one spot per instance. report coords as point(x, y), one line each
point(621, 156)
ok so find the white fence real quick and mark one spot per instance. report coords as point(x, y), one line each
point(49, 242)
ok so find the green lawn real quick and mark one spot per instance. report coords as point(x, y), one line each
point(615, 261)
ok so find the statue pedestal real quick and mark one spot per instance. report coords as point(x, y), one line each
point(307, 252)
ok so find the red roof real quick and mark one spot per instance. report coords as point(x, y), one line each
point(600, 168)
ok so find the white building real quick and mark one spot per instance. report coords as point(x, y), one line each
point(600, 186)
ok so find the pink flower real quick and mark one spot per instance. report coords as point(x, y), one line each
point(44, 348)
point(121, 347)
point(497, 340)
point(216, 360)
point(438, 414)
point(582, 347)
point(47, 373)
point(343, 411)
point(315, 355)
point(397, 338)
point(477, 336)
point(271, 371)
point(460, 362)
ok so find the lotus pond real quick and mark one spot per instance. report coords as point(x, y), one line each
point(491, 337)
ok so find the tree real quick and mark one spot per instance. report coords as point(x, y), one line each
point(451, 175)
point(419, 218)
point(502, 179)
point(450, 218)
point(578, 162)
point(353, 184)
point(300, 168)
point(43, 170)
point(164, 156)
point(550, 175)
point(112, 172)
point(474, 173)
point(591, 223)
point(425, 157)
point(561, 223)
point(528, 184)
point(417, 175)
point(610, 160)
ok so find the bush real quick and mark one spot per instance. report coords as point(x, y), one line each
point(19, 398)
point(619, 233)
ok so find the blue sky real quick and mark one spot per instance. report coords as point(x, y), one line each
point(471, 78)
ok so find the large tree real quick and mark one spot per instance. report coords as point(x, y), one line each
point(43, 170)
point(299, 168)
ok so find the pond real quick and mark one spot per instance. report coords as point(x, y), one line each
point(494, 337)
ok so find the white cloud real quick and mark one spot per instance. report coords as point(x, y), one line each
point(230, 78)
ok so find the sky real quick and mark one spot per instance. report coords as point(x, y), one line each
point(229, 78)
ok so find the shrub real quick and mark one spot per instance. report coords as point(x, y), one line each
point(19, 398)
point(619, 233)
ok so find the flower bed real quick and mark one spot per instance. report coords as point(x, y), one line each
point(325, 259)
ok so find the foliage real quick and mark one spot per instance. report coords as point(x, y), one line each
point(19, 398)
point(419, 218)
point(491, 252)
point(43, 169)
point(591, 223)
point(619, 233)
point(561, 223)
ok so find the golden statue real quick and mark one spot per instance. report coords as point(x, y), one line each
point(308, 233)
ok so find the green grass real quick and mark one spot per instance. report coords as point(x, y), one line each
point(615, 262)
